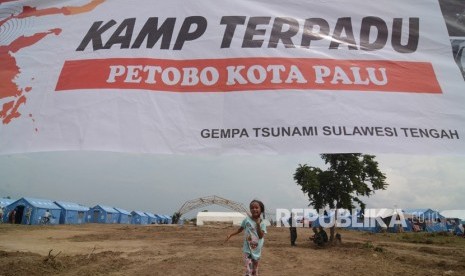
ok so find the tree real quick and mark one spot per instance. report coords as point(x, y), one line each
point(348, 177)
point(176, 217)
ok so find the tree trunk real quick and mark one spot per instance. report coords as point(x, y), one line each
point(332, 230)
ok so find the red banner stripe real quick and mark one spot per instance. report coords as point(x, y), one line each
point(251, 74)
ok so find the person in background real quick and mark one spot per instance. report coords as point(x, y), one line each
point(28, 215)
point(12, 217)
point(47, 216)
point(316, 238)
point(320, 237)
point(1, 214)
point(293, 228)
point(323, 234)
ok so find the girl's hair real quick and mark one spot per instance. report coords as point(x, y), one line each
point(262, 206)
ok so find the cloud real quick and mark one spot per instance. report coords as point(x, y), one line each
point(422, 182)
point(162, 183)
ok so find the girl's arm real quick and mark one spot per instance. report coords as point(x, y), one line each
point(234, 233)
point(259, 228)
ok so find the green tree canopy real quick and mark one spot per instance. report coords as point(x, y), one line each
point(348, 177)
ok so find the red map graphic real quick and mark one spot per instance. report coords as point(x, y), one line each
point(9, 69)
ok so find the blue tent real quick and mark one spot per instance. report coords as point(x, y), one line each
point(31, 211)
point(125, 217)
point(139, 217)
point(103, 214)
point(152, 219)
point(160, 219)
point(436, 227)
point(429, 220)
point(458, 231)
point(454, 220)
point(168, 219)
point(72, 213)
point(3, 203)
point(389, 220)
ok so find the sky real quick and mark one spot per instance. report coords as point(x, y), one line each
point(162, 183)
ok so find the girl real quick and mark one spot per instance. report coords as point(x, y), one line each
point(255, 230)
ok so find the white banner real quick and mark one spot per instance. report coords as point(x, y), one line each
point(233, 77)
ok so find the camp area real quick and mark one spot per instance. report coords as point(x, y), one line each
point(254, 137)
point(32, 211)
point(113, 249)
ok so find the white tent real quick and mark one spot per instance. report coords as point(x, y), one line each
point(235, 218)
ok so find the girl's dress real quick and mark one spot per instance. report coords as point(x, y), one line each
point(252, 247)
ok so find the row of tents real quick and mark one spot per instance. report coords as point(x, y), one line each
point(391, 220)
point(32, 211)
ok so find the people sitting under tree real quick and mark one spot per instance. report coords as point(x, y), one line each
point(323, 234)
point(320, 236)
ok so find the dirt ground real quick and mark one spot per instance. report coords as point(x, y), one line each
point(96, 249)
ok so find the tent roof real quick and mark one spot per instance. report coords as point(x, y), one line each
point(140, 213)
point(122, 211)
point(71, 206)
point(41, 203)
point(6, 201)
point(106, 208)
point(417, 211)
point(150, 215)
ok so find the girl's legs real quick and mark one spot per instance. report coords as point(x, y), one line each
point(255, 268)
point(248, 264)
point(251, 266)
